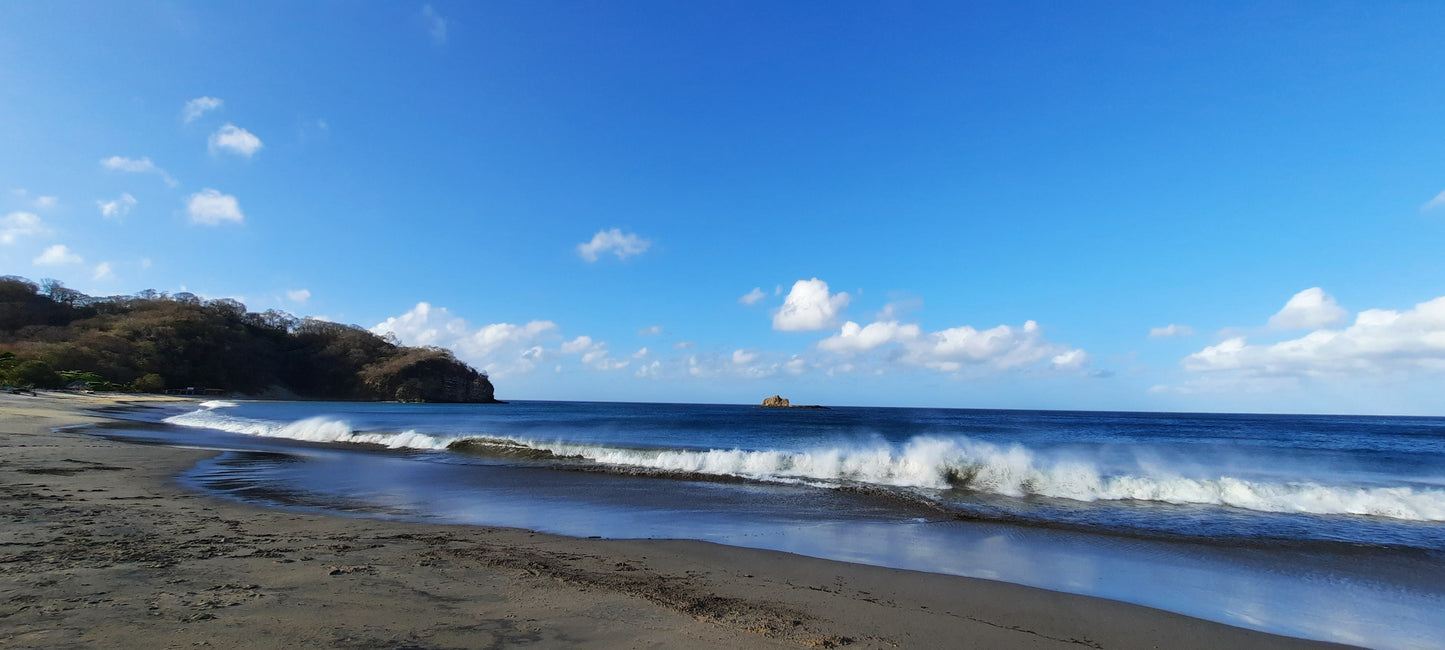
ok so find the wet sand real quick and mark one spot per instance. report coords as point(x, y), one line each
point(100, 547)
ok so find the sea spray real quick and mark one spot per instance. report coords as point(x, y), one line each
point(314, 429)
point(936, 463)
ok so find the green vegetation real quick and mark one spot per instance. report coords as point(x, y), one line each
point(151, 342)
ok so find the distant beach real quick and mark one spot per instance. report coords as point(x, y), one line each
point(104, 547)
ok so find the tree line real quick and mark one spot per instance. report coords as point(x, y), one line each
point(52, 336)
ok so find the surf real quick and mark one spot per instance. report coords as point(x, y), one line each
point(954, 464)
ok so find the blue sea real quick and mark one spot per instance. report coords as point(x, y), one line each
point(1325, 527)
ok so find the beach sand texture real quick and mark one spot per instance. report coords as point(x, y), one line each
point(100, 547)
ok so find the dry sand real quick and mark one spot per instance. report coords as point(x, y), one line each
point(99, 547)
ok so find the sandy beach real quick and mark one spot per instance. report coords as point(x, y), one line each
point(100, 547)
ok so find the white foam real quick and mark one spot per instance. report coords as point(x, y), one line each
point(923, 462)
point(217, 404)
point(315, 429)
point(940, 463)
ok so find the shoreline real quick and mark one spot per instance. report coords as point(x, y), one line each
point(102, 546)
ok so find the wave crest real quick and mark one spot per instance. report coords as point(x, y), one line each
point(932, 463)
point(315, 429)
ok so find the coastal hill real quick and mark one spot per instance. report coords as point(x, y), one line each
point(52, 336)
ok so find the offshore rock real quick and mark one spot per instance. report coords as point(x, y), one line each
point(776, 401)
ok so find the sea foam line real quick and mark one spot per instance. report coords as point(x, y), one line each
point(944, 463)
point(922, 462)
point(315, 429)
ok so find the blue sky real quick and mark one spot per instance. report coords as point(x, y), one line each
point(1011, 203)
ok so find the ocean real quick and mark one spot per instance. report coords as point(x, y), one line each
point(1325, 527)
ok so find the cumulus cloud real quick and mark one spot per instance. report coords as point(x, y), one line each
point(646, 370)
point(211, 207)
point(623, 245)
point(592, 353)
point(576, 345)
point(102, 272)
point(1072, 359)
point(1379, 341)
point(809, 306)
point(1170, 331)
point(15, 225)
point(234, 139)
point(752, 297)
point(137, 166)
point(200, 106)
point(951, 350)
point(436, 25)
point(1309, 309)
point(744, 363)
point(298, 296)
point(117, 208)
point(57, 255)
point(856, 338)
point(1002, 347)
point(499, 348)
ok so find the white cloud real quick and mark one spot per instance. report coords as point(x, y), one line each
point(651, 330)
point(298, 296)
point(854, 338)
point(1001, 347)
point(649, 369)
point(1435, 203)
point(57, 255)
point(1309, 309)
point(576, 345)
point(641, 353)
point(46, 202)
point(137, 166)
point(210, 207)
point(809, 306)
point(500, 348)
point(752, 297)
point(102, 272)
point(952, 349)
point(199, 106)
point(15, 225)
point(592, 353)
point(1170, 331)
point(436, 25)
point(1072, 359)
point(1378, 342)
point(744, 357)
point(684, 345)
point(236, 140)
point(145, 262)
point(612, 241)
point(117, 208)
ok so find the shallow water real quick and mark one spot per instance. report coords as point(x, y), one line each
point(1318, 526)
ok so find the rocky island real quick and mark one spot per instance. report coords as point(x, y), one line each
point(780, 402)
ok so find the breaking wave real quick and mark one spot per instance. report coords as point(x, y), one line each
point(317, 429)
point(930, 463)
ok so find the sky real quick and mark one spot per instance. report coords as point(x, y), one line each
point(1156, 206)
